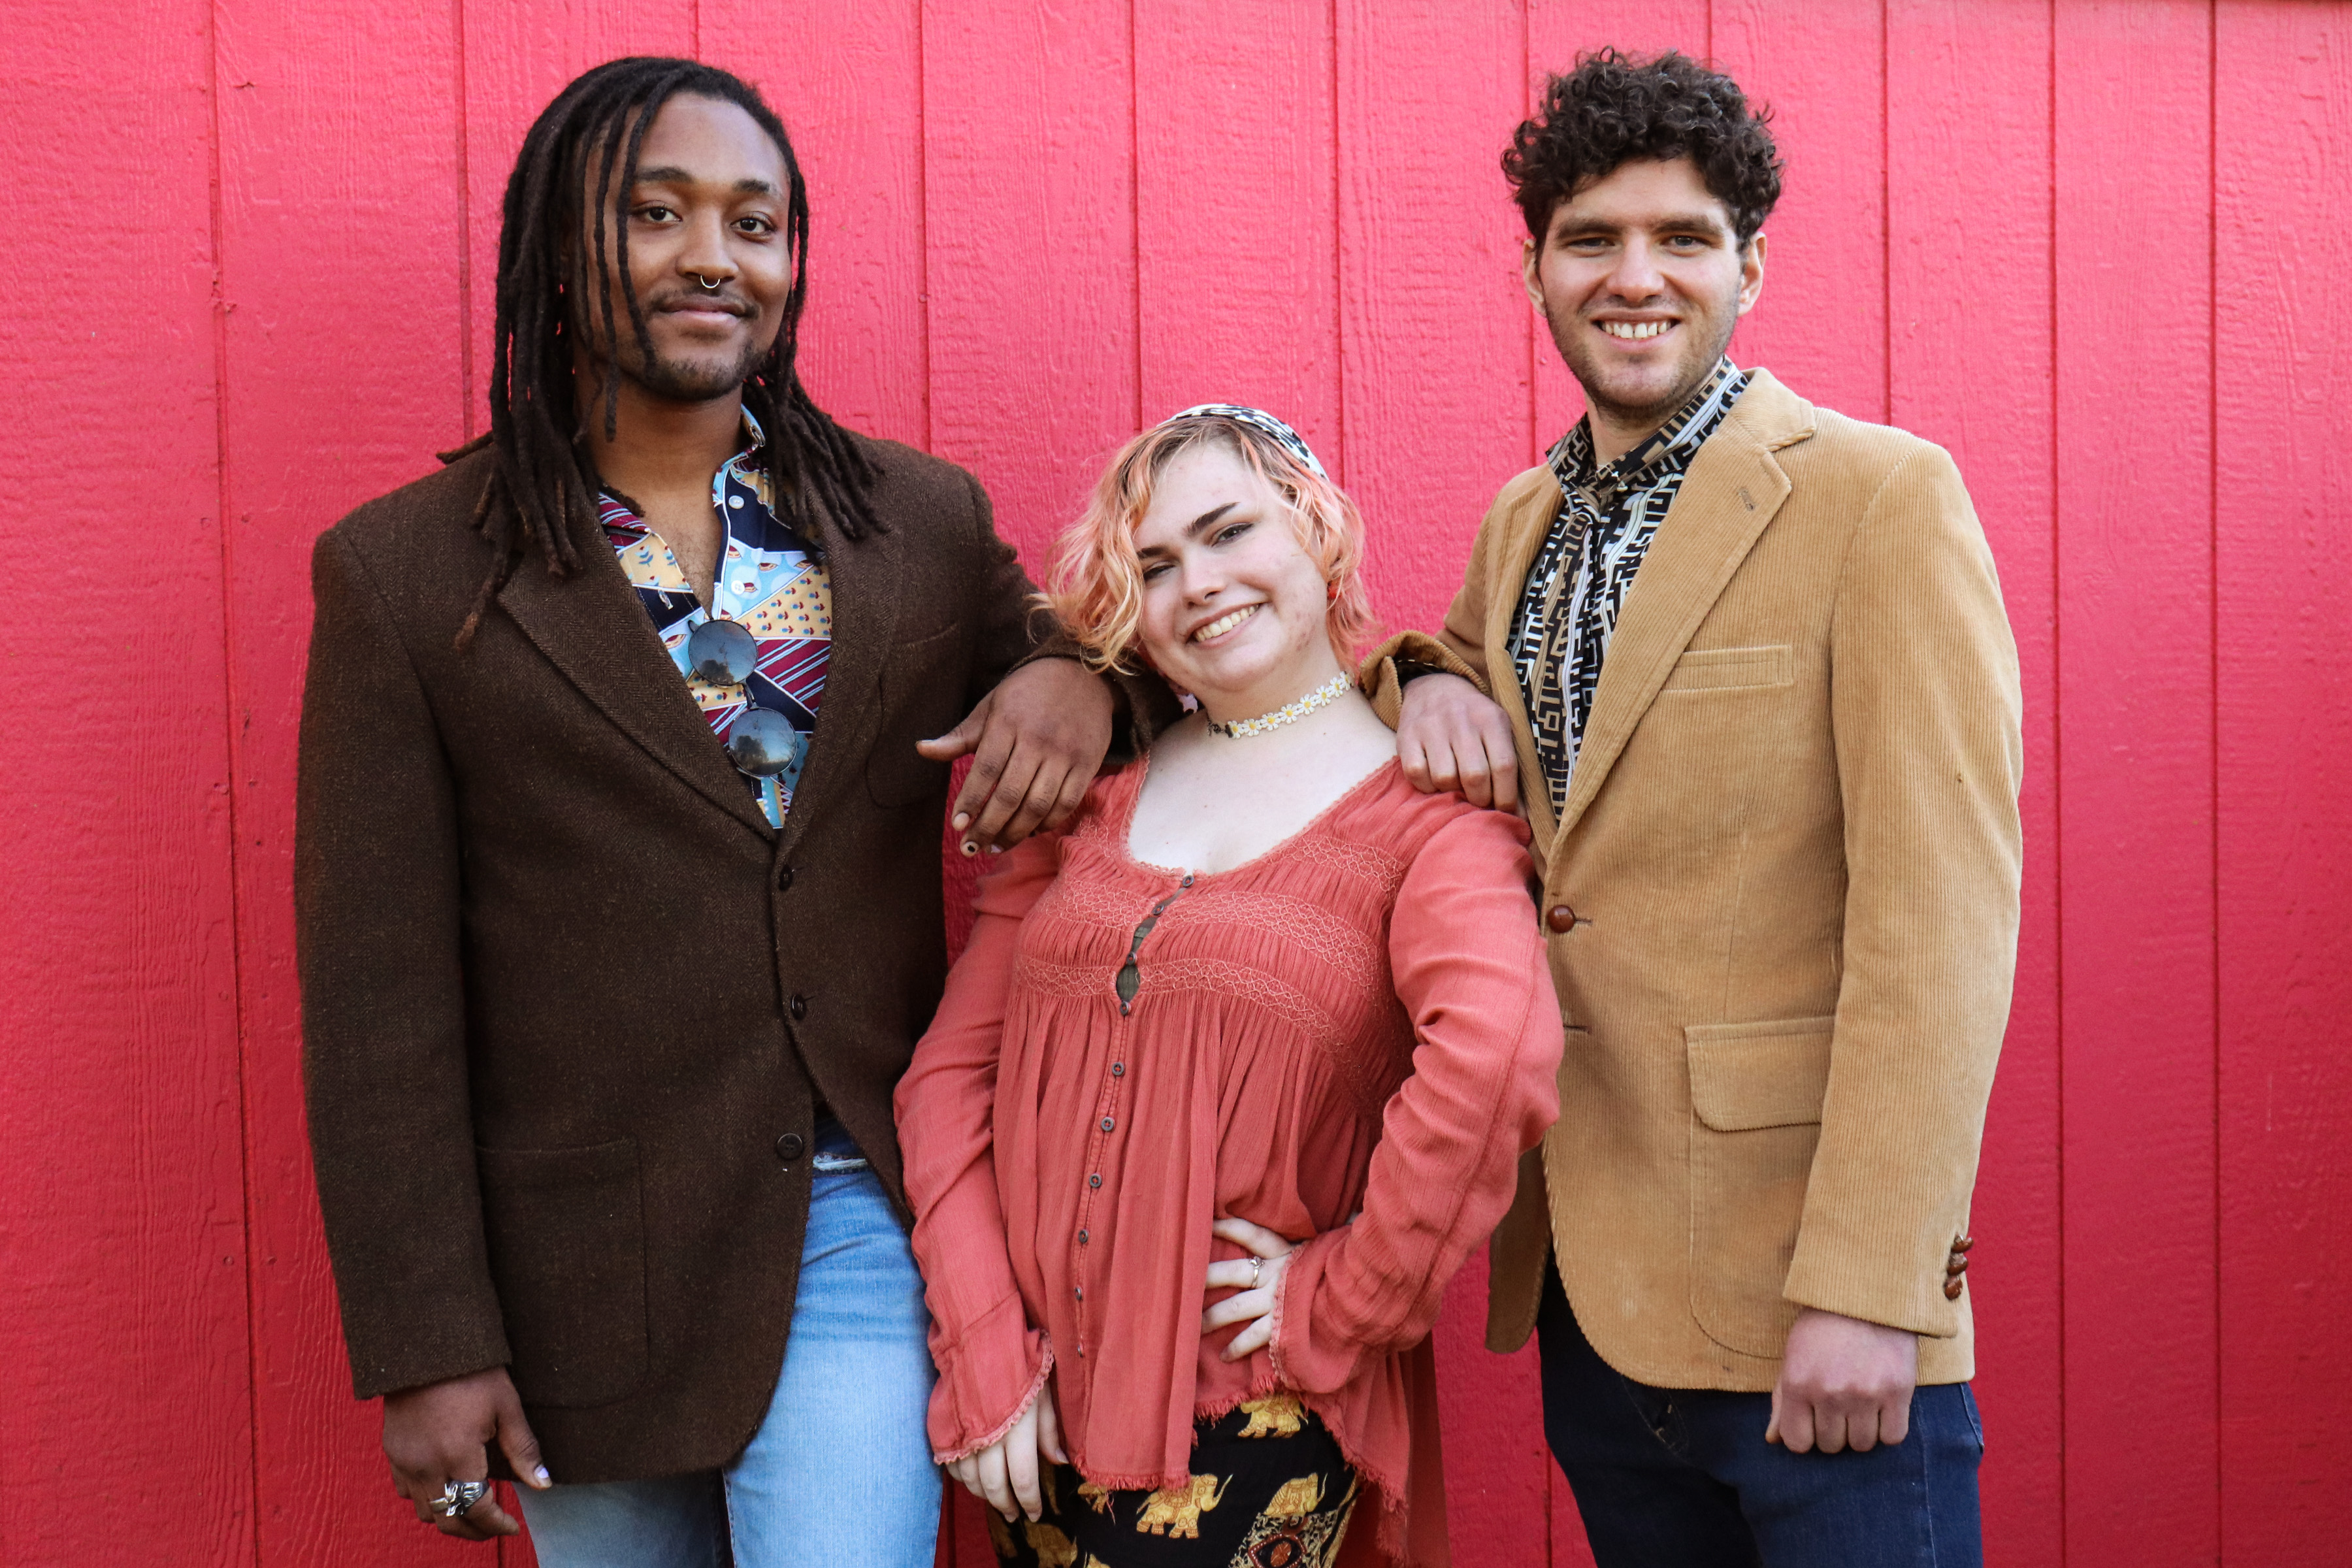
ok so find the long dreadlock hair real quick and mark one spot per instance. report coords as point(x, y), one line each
point(545, 481)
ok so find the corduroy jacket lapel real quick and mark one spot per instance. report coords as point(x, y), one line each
point(591, 627)
point(1725, 501)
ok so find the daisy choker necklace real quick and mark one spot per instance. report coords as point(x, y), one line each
point(1289, 712)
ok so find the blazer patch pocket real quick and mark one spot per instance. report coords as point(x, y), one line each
point(923, 686)
point(1755, 1102)
point(1732, 669)
point(567, 1245)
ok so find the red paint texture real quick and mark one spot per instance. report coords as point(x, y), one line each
point(2095, 249)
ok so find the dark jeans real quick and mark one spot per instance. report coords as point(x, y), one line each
point(1670, 1478)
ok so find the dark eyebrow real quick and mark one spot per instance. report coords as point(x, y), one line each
point(1674, 223)
point(665, 175)
point(1193, 532)
point(1206, 518)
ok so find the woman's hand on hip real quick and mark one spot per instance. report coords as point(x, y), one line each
point(1258, 1278)
point(1004, 1475)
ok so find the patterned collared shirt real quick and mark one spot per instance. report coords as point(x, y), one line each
point(766, 580)
point(1568, 610)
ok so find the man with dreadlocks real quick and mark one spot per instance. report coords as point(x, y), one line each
point(618, 878)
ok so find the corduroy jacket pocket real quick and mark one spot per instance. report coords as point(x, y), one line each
point(1755, 1102)
point(1732, 668)
point(567, 1243)
point(923, 690)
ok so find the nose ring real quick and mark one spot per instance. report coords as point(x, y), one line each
point(706, 282)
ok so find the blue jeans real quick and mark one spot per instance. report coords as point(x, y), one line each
point(1670, 1478)
point(840, 1470)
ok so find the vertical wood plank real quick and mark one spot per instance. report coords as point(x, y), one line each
point(1435, 399)
point(2134, 286)
point(1029, 213)
point(2283, 556)
point(1237, 251)
point(514, 60)
point(846, 76)
point(1967, 138)
point(125, 1432)
point(1557, 32)
point(1821, 324)
point(338, 144)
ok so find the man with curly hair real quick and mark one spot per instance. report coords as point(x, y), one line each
point(1750, 659)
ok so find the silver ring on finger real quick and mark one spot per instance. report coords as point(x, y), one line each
point(458, 1496)
point(1257, 1267)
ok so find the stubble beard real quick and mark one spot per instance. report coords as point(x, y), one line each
point(684, 381)
point(1568, 337)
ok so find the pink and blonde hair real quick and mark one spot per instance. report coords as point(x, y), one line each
point(1095, 588)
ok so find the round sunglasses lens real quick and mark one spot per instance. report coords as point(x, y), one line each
point(722, 652)
point(763, 742)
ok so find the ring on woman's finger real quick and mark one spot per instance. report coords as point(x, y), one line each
point(1257, 1267)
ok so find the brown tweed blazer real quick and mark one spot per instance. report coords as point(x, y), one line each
point(568, 1000)
point(1788, 875)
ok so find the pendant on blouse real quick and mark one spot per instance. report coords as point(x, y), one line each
point(1289, 712)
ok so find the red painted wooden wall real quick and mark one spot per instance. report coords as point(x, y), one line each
point(2097, 249)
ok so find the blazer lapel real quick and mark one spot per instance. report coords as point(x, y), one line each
point(591, 627)
point(864, 578)
point(1726, 500)
point(1522, 536)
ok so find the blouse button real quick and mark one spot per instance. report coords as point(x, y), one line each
point(1119, 1069)
point(1080, 1292)
point(1082, 1238)
point(1095, 1181)
point(1108, 1123)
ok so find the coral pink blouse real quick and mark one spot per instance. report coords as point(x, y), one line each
point(1349, 1040)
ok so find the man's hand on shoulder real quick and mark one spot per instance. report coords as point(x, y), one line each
point(441, 1433)
point(1037, 741)
point(1844, 1383)
point(1452, 737)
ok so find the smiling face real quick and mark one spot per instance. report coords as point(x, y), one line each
point(708, 205)
point(1642, 279)
point(1234, 607)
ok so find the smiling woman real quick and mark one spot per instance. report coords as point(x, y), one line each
point(1263, 1031)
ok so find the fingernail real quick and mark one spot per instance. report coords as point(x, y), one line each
point(539, 1476)
point(962, 820)
point(996, 849)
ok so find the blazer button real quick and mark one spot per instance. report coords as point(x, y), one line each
point(798, 1007)
point(1561, 918)
point(789, 1147)
point(1952, 1289)
point(783, 879)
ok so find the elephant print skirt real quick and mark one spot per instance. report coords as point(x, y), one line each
point(1269, 1489)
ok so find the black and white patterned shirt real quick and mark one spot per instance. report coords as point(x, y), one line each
point(1568, 611)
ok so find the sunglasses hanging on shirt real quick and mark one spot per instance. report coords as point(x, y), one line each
point(761, 741)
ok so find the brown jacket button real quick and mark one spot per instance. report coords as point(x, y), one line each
point(789, 1147)
point(1952, 1289)
point(1561, 918)
point(783, 879)
point(798, 1006)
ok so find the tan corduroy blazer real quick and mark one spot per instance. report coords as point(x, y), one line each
point(1788, 867)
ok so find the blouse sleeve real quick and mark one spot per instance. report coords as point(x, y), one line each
point(991, 1362)
point(1470, 968)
